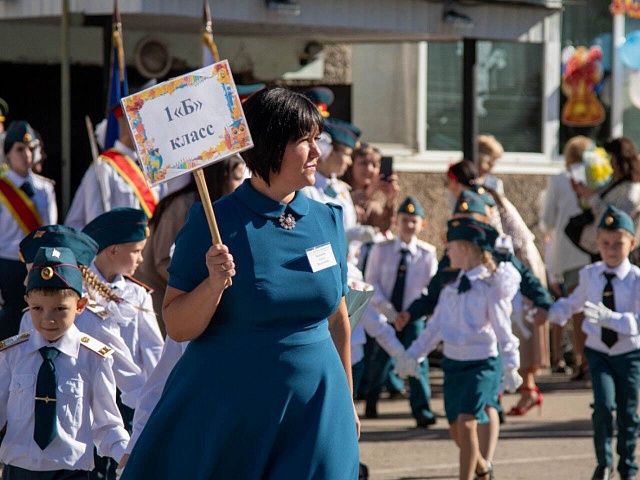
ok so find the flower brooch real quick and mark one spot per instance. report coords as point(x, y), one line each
point(287, 221)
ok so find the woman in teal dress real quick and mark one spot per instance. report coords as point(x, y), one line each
point(264, 389)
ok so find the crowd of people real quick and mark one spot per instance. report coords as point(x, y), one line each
point(137, 347)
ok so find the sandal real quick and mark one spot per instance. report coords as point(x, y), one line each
point(527, 403)
point(483, 475)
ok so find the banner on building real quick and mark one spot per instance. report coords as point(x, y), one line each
point(187, 123)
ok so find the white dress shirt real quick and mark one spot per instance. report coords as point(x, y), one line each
point(339, 193)
point(86, 406)
point(128, 375)
point(153, 387)
point(560, 204)
point(382, 270)
point(471, 325)
point(137, 321)
point(626, 291)
point(44, 199)
point(87, 202)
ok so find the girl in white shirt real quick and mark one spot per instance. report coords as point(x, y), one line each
point(472, 320)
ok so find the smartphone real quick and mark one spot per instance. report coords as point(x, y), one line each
point(386, 167)
point(490, 183)
point(578, 173)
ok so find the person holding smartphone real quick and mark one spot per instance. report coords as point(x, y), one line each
point(374, 192)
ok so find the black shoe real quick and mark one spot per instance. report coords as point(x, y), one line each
point(363, 472)
point(603, 472)
point(425, 421)
point(502, 418)
point(371, 411)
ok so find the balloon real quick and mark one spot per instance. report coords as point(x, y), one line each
point(604, 42)
point(630, 50)
point(634, 88)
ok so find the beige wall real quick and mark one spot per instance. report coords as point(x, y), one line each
point(521, 190)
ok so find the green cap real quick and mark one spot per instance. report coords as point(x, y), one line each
point(120, 225)
point(614, 218)
point(342, 132)
point(82, 245)
point(412, 206)
point(55, 267)
point(470, 202)
point(472, 231)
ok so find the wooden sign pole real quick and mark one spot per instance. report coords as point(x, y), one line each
point(208, 209)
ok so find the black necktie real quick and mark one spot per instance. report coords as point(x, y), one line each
point(46, 428)
point(464, 284)
point(398, 288)
point(608, 336)
point(28, 189)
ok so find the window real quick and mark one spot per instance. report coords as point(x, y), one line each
point(509, 94)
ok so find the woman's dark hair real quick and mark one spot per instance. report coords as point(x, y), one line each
point(277, 117)
point(464, 171)
point(216, 176)
point(625, 156)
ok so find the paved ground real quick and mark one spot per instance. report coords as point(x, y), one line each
point(553, 445)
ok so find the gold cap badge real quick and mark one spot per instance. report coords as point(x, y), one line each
point(147, 232)
point(464, 206)
point(27, 137)
point(411, 208)
point(608, 220)
point(455, 223)
point(481, 190)
point(47, 273)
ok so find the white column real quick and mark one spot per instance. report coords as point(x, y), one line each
point(617, 77)
point(551, 86)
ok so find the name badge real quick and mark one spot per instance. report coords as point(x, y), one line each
point(321, 257)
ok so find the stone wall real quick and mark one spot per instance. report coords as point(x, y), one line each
point(522, 190)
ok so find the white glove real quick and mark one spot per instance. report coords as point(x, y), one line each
point(406, 366)
point(386, 309)
point(530, 315)
point(517, 319)
point(511, 381)
point(598, 314)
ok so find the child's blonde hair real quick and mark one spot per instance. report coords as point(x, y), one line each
point(486, 258)
point(574, 148)
point(95, 285)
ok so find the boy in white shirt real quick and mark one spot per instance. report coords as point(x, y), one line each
point(57, 390)
point(399, 270)
point(608, 293)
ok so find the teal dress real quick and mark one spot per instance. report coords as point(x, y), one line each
point(262, 393)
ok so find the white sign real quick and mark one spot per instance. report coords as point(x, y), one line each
point(187, 123)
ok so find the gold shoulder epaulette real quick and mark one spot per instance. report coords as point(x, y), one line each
point(344, 184)
point(425, 246)
point(98, 310)
point(95, 345)
point(45, 179)
point(15, 340)
point(138, 282)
